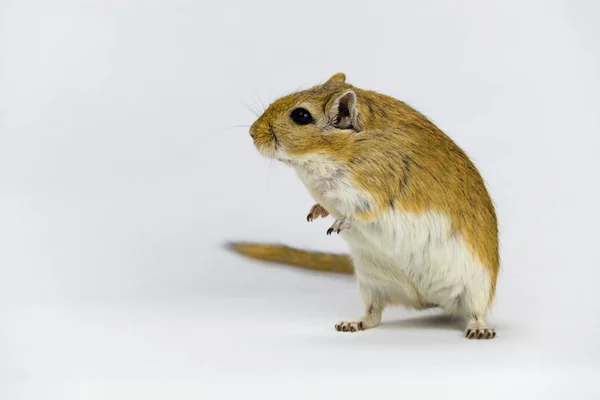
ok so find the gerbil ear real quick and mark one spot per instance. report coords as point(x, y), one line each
point(342, 111)
point(340, 77)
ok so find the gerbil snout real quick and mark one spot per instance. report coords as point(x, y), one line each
point(263, 138)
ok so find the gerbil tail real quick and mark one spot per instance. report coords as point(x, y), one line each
point(337, 263)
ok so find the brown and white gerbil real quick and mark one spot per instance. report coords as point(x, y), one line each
point(414, 210)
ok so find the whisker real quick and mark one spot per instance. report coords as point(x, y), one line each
point(264, 108)
point(251, 109)
point(228, 128)
point(233, 127)
point(269, 173)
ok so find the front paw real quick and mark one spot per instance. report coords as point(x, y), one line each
point(340, 225)
point(315, 212)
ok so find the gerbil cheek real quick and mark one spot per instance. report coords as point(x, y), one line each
point(301, 146)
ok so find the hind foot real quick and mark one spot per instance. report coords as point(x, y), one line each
point(350, 326)
point(476, 329)
point(371, 319)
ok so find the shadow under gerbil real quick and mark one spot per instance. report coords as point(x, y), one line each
point(434, 321)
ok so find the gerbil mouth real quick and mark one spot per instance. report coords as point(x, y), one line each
point(284, 160)
point(272, 132)
point(278, 149)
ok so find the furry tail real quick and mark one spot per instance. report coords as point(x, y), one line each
point(337, 263)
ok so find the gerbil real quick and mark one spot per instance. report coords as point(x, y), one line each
point(414, 210)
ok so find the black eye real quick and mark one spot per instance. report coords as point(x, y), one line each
point(301, 116)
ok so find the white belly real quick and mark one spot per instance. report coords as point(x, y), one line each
point(400, 255)
point(401, 252)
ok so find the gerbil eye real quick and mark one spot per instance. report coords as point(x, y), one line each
point(301, 116)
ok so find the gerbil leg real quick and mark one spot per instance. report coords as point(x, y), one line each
point(340, 225)
point(371, 319)
point(375, 304)
point(315, 212)
point(476, 329)
point(473, 304)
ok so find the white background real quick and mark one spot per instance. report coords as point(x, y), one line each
point(120, 180)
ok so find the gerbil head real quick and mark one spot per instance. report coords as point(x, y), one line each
point(318, 120)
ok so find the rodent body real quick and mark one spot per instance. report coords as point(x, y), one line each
point(414, 210)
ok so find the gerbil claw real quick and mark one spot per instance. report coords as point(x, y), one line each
point(480, 333)
point(340, 225)
point(350, 326)
point(315, 212)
